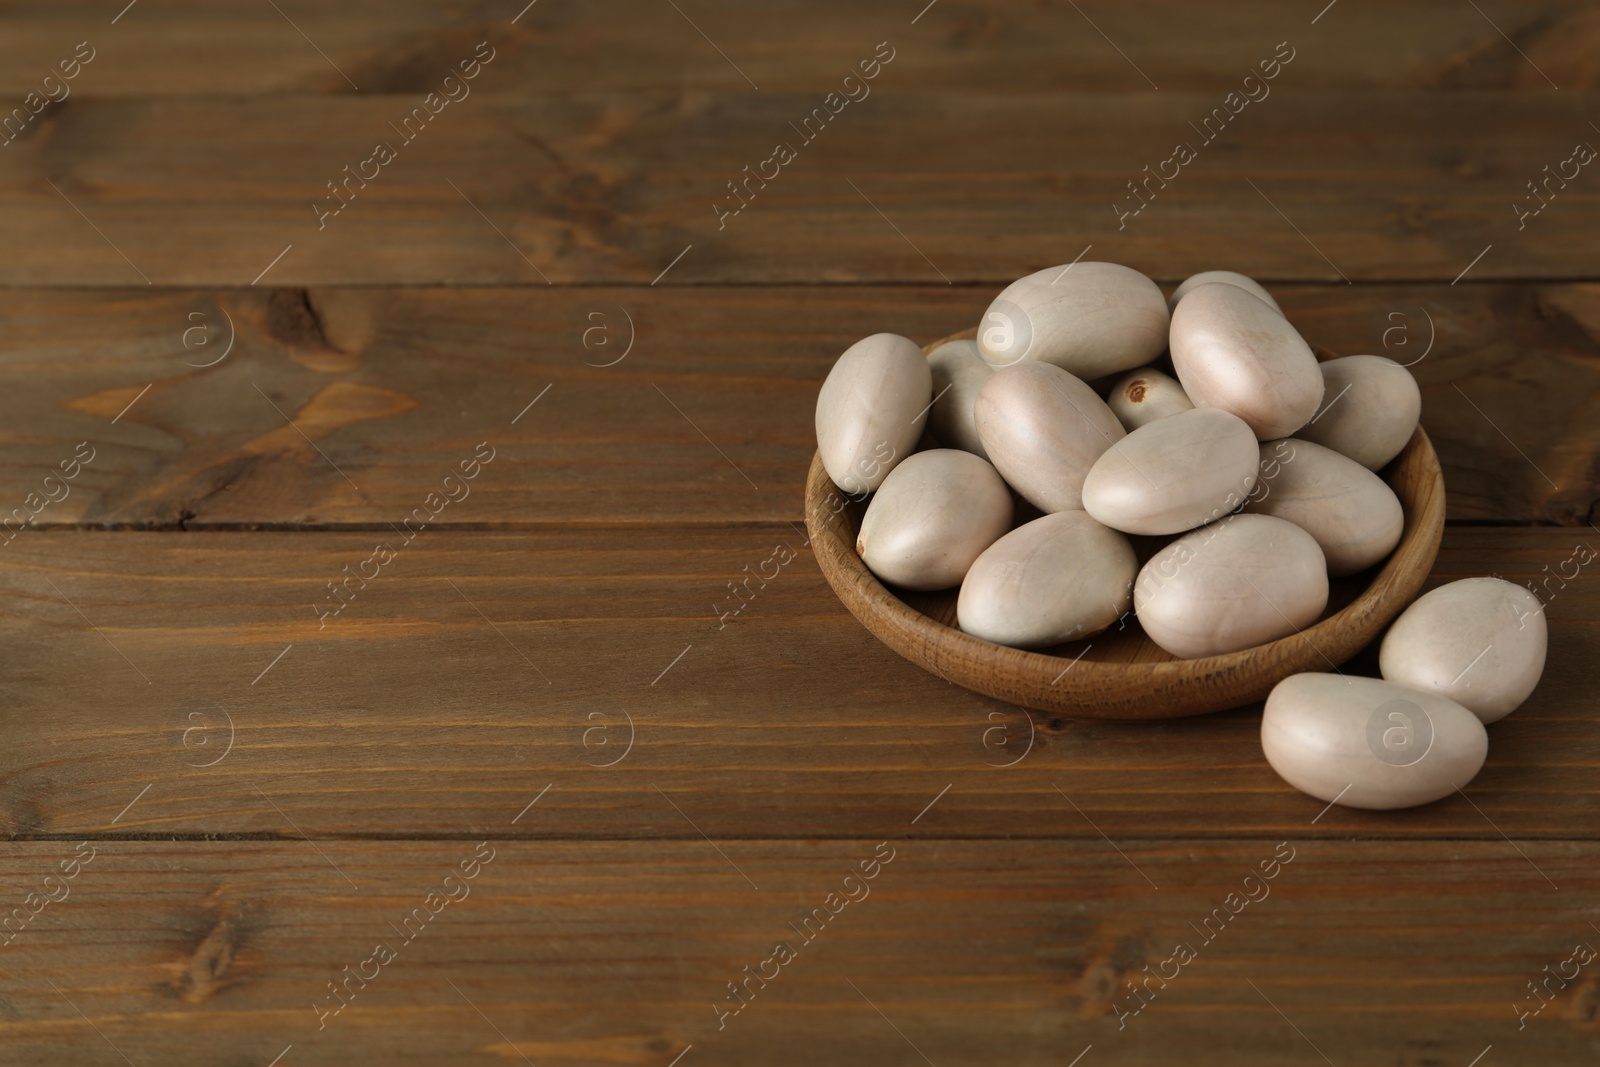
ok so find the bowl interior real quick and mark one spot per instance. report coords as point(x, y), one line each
point(1120, 672)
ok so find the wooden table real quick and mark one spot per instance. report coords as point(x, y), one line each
point(371, 691)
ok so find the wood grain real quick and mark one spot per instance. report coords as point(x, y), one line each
point(708, 418)
point(615, 188)
point(480, 667)
point(166, 677)
point(961, 952)
point(188, 48)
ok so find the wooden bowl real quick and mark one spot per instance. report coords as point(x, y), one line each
point(1121, 673)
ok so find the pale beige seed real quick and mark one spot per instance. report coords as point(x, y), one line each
point(958, 373)
point(1366, 743)
point(1232, 585)
point(1205, 277)
point(1092, 319)
point(1354, 515)
point(1479, 641)
point(934, 514)
point(1233, 351)
point(1043, 429)
point(871, 410)
point(1146, 395)
point(1057, 578)
point(1370, 406)
point(1173, 474)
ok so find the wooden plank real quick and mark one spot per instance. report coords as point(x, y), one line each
point(187, 47)
point(1506, 394)
point(953, 953)
point(608, 188)
point(478, 668)
point(707, 417)
point(667, 793)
